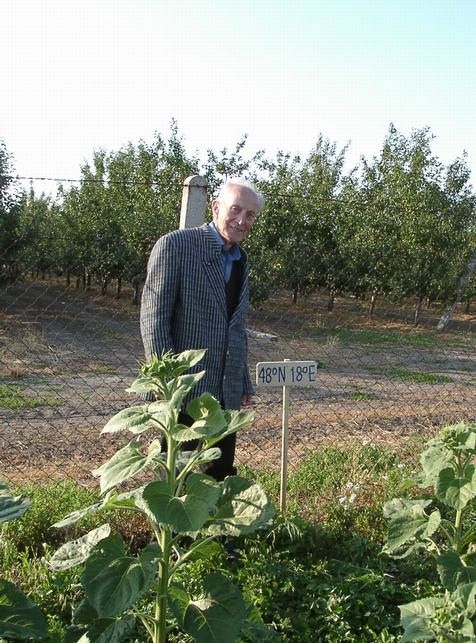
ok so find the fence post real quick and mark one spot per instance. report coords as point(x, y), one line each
point(194, 202)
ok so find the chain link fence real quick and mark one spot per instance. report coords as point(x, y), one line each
point(68, 353)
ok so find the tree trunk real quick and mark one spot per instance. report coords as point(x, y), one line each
point(416, 318)
point(295, 295)
point(119, 287)
point(448, 314)
point(330, 302)
point(68, 278)
point(373, 301)
point(467, 306)
point(104, 286)
point(135, 299)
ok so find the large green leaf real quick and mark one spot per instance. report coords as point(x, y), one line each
point(74, 633)
point(11, 507)
point(208, 416)
point(456, 492)
point(187, 513)
point(103, 630)
point(143, 385)
point(77, 551)
point(468, 439)
point(453, 571)
point(85, 613)
point(435, 458)
point(409, 521)
point(135, 419)
point(183, 385)
point(20, 618)
point(242, 508)
point(416, 619)
point(124, 464)
point(459, 437)
point(235, 420)
point(203, 549)
point(216, 616)
point(441, 617)
point(76, 515)
point(112, 581)
point(200, 457)
point(123, 500)
point(254, 629)
point(464, 596)
point(190, 357)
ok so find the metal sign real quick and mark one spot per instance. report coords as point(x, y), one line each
point(286, 373)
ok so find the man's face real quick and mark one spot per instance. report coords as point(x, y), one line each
point(235, 213)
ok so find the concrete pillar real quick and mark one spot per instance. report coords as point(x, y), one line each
point(194, 202)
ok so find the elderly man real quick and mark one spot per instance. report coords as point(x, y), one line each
point(196, 296)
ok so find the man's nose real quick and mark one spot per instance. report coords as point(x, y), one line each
point(241, 218)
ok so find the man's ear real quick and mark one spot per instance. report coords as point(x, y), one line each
point(215, 208)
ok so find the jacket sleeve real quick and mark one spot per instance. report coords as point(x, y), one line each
point(158, 297)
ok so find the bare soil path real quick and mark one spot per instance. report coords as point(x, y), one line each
point(76, 353)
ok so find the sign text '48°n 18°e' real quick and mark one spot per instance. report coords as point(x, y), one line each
point(286, 373)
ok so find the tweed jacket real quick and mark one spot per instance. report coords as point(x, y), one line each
point(184, 307)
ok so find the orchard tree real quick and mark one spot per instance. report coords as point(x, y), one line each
point(153, 204)
point(126, 200)
point(295, 243)
point(321, 182)
point(276, 245)
point(408, 225)
point(36, 226)
point(226, 165)
point(10, 239)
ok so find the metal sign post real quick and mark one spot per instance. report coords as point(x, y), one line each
point(285, 374)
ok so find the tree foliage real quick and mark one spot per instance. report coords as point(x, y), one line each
point(10, 240)
point(399, 225)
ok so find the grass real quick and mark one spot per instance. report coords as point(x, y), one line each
point(12, 396)
point(407, 375)
point(377, 337)
point(103, 368)
point(349, 336)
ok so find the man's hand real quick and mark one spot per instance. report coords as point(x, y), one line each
point(247, 399)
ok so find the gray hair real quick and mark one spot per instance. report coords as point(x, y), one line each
point(245, 184)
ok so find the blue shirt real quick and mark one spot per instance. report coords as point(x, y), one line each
point(228, 255)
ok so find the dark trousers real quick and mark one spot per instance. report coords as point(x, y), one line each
point(220, 468)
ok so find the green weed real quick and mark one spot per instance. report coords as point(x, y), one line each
point(103, 368)
point(407, 375)
point(48, 503)
point(368, 337)
point(316, 575)
point(12, 396)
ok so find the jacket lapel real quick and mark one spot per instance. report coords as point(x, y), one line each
point(212, 266)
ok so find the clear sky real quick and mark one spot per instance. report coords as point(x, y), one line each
point(77, 76)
